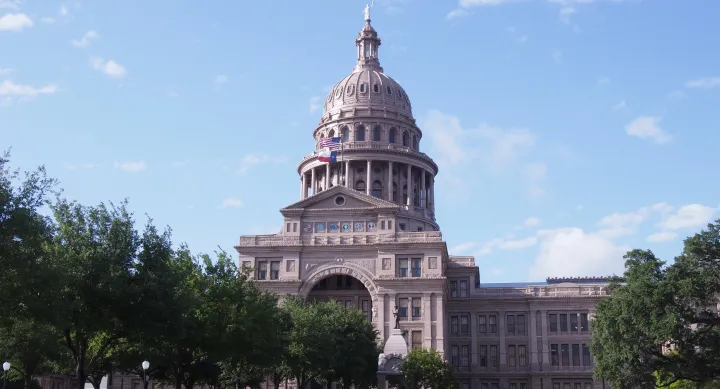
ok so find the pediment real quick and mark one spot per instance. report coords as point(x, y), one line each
point(339, 198)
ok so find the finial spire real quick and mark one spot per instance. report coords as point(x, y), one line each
point(367, 12)
point(368, 43)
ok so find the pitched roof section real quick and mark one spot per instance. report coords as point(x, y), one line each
point(368, 201)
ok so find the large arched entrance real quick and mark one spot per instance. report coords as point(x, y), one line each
point(346, 290)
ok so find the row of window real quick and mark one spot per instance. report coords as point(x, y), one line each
point(415, 267)
point(376, 88)
point(516, 324)
point(459, 288)
point(415, 340)
point(563, 354)
point(362, 135)
point(410, 306)
point(262, 270)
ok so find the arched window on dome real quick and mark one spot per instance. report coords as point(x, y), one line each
point(406, 139)
point(345, 134)
point(389, 90)
point(376, 88)
point(415, 142)
point(377, 189)
point(360, 134)
point(331, 134)
point(391, 135)
point(376, 134)
point(360, 186)
point(362, 88)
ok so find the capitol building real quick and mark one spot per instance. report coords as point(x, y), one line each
point(364, 233)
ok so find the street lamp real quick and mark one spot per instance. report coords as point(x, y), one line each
point(145, 366)
point(6, 367)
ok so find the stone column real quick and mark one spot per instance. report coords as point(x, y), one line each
point(502, 352)
point(389, 181)
point(382, 384)
point(473, 339)
point(546, 344)
point(423, 195)
point(367, 174)
point(303, 186)
point(327, 176)
point(431, 195)
point(313, 181)
point(409, 186)
point(380, 323)
point(440, 322)
point(347, 174)
point(427, 317)
point(533, 340)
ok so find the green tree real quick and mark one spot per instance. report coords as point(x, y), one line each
point(657, 308)
point(31, 346)
point(425, 369)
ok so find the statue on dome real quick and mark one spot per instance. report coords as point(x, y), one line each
point(367, 12)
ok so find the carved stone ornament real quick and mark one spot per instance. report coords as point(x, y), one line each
point(386, 263)
point(432, 263)
point(391, 363)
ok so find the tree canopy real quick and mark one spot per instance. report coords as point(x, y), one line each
point(88, 293)
point(425, 368)
point(660, 326)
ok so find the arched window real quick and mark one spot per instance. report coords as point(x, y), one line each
point(406, 139)
point(331, 133)
point(345, 134)
point(376, 134)
point(391, 135)
point(377, 189)
point(360, 186)
point(362, 88)
point(415, 142)
point(360, 134)
point(376, 88)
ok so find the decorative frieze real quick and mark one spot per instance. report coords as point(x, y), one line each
point(338, 240)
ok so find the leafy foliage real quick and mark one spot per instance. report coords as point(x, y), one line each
point(657, 327)
point(425, 368)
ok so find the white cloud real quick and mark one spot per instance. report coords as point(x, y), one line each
point(648, 127)
point(109, 67)
point(689, 216)
point(47, 20)
point(11, 89)
point(704, 83)
point(566, 13)
point(64, 11)
point(88, 37)
point(557, 57)
point(659, 237)
point(532, 222)
point(221, 80)
point(10, 4)
point(131, 166)
point(579, 207)
point(677, 95)
point(15, 22)
point(535, 191)
point(603, 81)
point(315, 103)
point(624, 224)
point(620, 106)
point(5, 71)
point(536, 171)
point(457, 13)
point(478, 3)
point(568, 252)
point(231, 202)
point(453, 144)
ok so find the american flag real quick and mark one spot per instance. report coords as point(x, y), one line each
point(330, 142)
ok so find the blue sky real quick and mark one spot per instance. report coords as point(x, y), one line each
point(566, 131)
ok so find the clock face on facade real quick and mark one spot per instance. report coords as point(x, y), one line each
point(333, 227)
point(370, 227)
point(345, 227)
point(359, 227)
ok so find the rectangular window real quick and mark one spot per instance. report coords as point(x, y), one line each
point(565, 353)
point(416, 267)
point(520, 325)
point(566, 385)
point(454, 325)
point(365, 305)
point(584, 323)
point(417, 341)
point(522, 356)
point(390, 225)
point(454, 356)
point(577, 385)
point(463, 288)
point(554, 357)
point(275, 270)
point(553, 322)
point(288, 227)
point(465, 357)
point(513, 385)
point(510, 324)
point(588, 385)
point(493, 356)
point(482, 356)
point(348, 303)
point(402, 267)
point(416, 311)
point(382, 225)
point(574, 323)
point(403, 309)
point(402, 226)
point(294, 227)
point(576, 354)
point(494, 385)
point(464, 325)
point(563, 323)
point(262, 271)
point(482, 324)
point(556, 386)
point(511, 356)
point(453, 289)
point(465, 385)
point(492, 324)
point(586, 355)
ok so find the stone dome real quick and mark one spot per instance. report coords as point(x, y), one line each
point(368, 88)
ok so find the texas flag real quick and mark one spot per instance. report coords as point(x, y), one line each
point(328, 156)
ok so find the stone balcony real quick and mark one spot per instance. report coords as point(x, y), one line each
point(339, 239)
point(369, 145)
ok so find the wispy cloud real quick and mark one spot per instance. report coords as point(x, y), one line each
point(565, 14)
point(603, 81)
point(86, 39)
point(231, 202)
point(15, 22)
point(315, 103)
point(131, 166)
point(622, 105)
point(648, 127)
point(557, 57)
point(5, 71)
point(221, 80)
point(250, 160)
point(704, 83)
point(9, 88)
point(108, 67)
point(10, 4)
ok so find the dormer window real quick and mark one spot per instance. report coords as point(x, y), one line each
point(350, 89)
point(389, 90)
point(362, 88)
point(338, 92)
point(376, 88)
